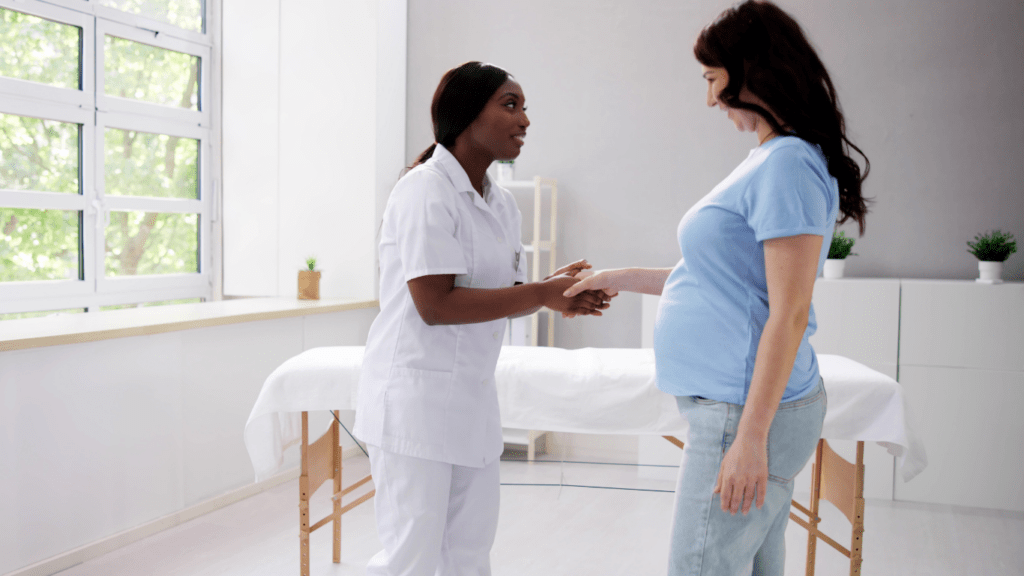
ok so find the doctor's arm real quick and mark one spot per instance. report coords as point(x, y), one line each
point(568, 270)
point(440, 302)
point(791, 264)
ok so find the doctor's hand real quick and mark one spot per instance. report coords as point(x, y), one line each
point(586, 302)
point(743, 475)
point(572, 269)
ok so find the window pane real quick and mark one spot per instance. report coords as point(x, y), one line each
point(155, 165)
point(38, 244)
point(187, 14)
point(38, 154)
point(39, 50)
point(20, 315)
point(148, 304)
point(143, 72)
point(152, 243)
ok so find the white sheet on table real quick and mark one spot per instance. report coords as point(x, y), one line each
point(318, 379)
point(592, 390)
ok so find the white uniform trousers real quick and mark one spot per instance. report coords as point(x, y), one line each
point(433, 518)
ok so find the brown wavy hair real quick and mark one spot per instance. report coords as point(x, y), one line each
point(764, 50)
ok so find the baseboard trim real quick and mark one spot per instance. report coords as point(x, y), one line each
point(98, 548)
point(82, 553)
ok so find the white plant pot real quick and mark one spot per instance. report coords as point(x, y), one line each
point(833, 268)
point(990, 272)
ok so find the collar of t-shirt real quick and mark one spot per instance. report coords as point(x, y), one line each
point(460, 180)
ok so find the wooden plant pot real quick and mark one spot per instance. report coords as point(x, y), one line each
point(309, 285)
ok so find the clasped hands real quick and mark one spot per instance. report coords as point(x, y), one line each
point(571, 299)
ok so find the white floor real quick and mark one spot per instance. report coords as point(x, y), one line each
point(564, 531)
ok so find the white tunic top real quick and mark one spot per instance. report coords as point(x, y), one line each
point(428, 391)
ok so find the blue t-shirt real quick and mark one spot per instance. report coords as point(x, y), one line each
point(715, 302)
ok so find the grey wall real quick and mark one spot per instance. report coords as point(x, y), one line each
point(932, 92)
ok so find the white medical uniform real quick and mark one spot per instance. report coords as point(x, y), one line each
point(428, 406)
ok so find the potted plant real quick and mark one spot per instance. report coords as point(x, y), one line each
point(991, 250)
point(837, 252)
point(506, 170)
point(309, 281)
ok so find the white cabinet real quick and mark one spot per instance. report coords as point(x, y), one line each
point(859, 318)
point(537, 250)
point(962, 368)
point(962, 324)
point(970, 423)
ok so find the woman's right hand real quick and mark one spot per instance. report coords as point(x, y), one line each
point(603, 282)
point(580, 302)
point(607, 281)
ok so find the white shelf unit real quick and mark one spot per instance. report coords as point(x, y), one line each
point(535, 249)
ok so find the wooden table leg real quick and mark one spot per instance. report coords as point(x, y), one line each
point(812, 530)
point(336, 436)
point(858, 514)
point(321, 461)
point(304, 500)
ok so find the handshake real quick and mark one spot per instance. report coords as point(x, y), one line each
point(576, 290)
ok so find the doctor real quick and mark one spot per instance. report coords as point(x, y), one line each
point(452, 271)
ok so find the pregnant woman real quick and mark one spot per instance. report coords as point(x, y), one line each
point(731, 335)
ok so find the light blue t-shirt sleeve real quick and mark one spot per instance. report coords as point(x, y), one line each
point(790, 196)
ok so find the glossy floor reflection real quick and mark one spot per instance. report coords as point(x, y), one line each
point(564, 531)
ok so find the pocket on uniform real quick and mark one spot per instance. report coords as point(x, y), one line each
point(415, 405)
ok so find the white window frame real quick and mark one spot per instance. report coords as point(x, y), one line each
point(106, 103)
point(108, 203)
point(95, 112)
point(82, 97)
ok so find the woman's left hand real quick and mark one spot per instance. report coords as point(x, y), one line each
point(743, 475)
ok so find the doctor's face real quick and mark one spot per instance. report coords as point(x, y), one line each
point(501, 126)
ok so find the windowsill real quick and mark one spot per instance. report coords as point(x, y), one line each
point(76, 328)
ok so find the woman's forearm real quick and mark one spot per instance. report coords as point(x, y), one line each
point(642, 280)
point(776, 353)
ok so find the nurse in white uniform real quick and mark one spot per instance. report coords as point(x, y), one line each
point(452, 271)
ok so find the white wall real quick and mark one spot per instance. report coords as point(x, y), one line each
point(102, 437)
point(313, 131)
point(931, 91)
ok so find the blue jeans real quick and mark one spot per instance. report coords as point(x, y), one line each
point(709, 542)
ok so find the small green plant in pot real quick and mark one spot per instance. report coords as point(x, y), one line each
point(837, 252)
point(309, 281)
point(992, 249)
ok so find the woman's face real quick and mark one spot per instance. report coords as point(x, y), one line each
point(501, 125)
point(718, 79)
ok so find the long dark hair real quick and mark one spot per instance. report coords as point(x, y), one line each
point(764, 50)
point(460, 96)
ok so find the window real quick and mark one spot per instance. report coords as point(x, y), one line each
point(106, 177)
